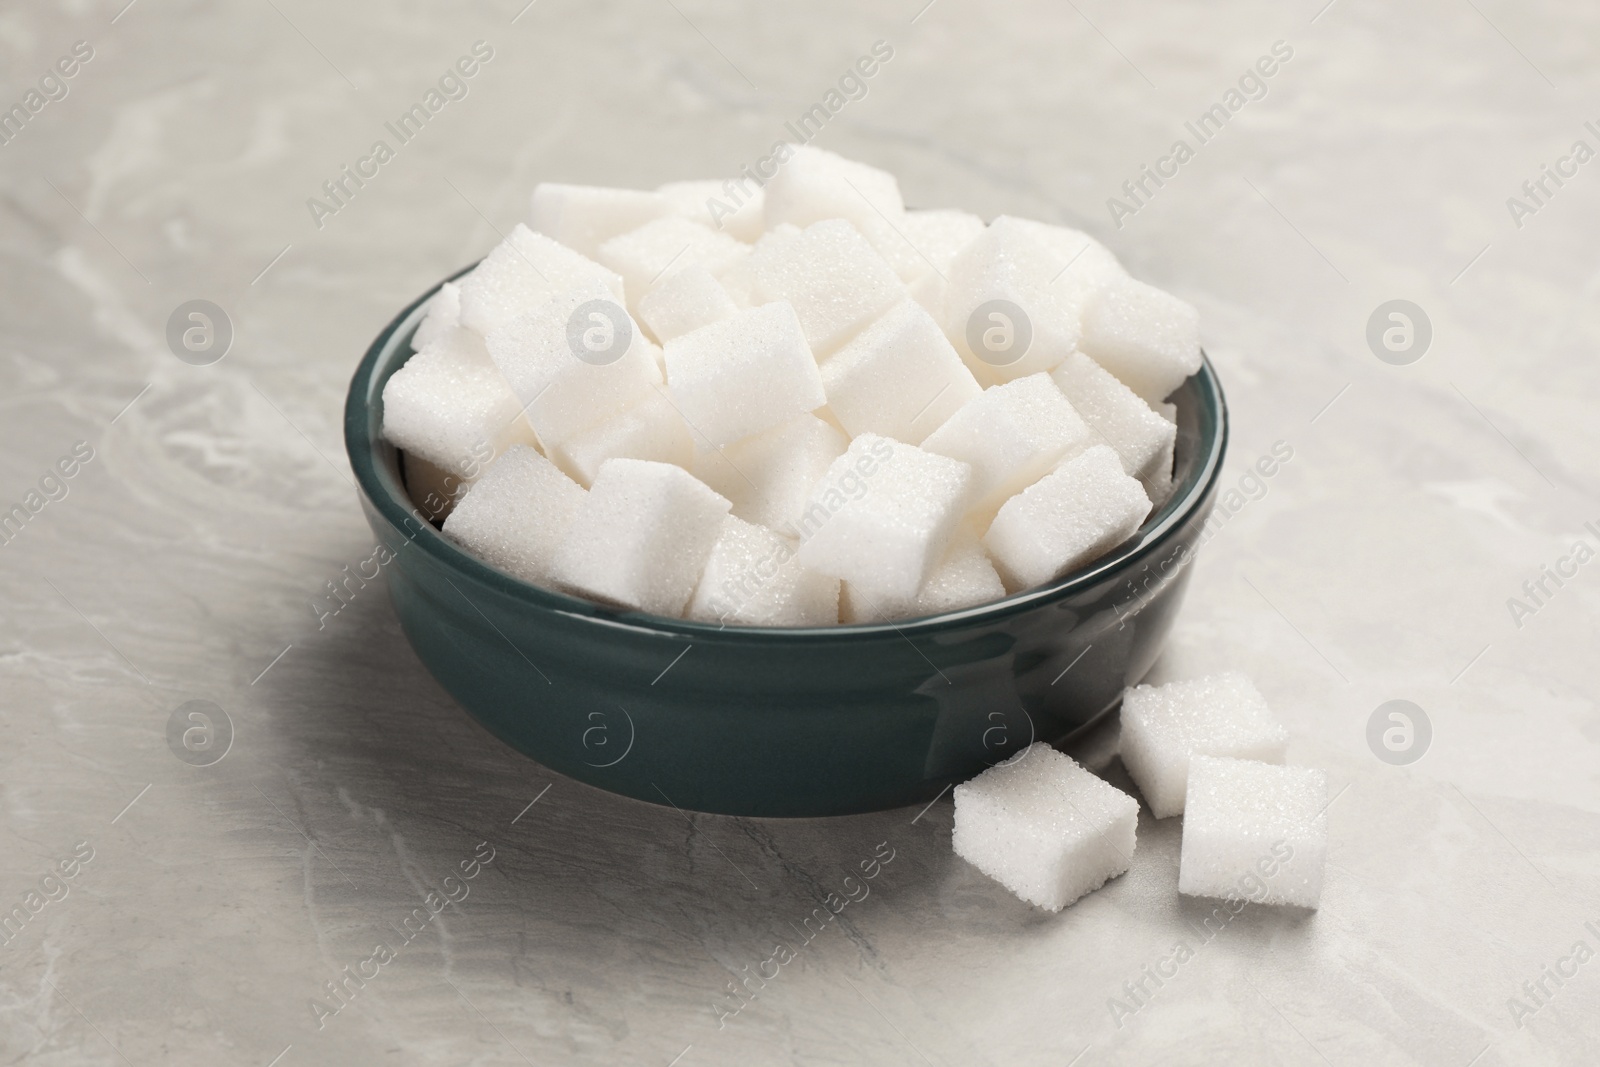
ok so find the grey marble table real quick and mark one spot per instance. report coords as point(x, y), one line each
point(202, 915)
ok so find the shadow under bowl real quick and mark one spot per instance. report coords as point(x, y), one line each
point(765, 721)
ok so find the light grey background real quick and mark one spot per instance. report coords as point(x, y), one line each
point(1378, 565)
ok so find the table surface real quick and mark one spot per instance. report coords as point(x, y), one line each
point(218, 903)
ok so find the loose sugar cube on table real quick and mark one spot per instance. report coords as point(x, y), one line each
point(1142, 436)
point(753, 579)
point(1072, 515)
point(517, 515)
point(744, 374)
point(1045, 828)
point(1012, 435)
point(1254, 831)
point(651, 429)
point(689, 299)
point(1148, 338)
point(1164, 727)
point(521, 273)
point(1007, 264)
point(650, 254)
point(899, 377)
point(562, 394)
point(836, 281)
point(734, 206)
point(641, 536)
point(769, 475)
point(584, 217)
point(450, 405)
point(883, 515)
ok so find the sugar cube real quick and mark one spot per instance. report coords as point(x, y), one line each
point(882, 516)
point(444, 315)
point(651, 429)
point(753, 578)
point(1001, 310)
point(584, 217)
point(655, 250)
point(1148, 338)
point(923, 248)
point(574, 361)
point(734, 207)
point(1254, 831)
point(1072, 515)
point(516, 516)
point(1141, 435)
point(450, 405)
point(769, 476)
point(964, 578)
point(1044, 827)
point(1165, 726)
point(899, 377)
point(689, 299)
point(836, 281)
point(522, 272)
point(814, 184)
point(744, 374)
point(1086, 265)
point(641, 536)
point(1012, 434)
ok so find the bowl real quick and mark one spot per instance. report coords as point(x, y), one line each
point(765, 721)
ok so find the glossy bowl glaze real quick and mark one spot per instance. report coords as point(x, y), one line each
point(779, 722)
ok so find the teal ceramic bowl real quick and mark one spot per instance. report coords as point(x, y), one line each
point(779, 722)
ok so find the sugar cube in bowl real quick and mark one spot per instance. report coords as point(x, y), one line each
point(744, 696)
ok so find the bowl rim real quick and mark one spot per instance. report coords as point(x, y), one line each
point(367, 450)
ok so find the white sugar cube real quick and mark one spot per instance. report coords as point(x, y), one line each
point(444, 315)
point(1069, 517)
point(1045, 828)
point(650, 254)
point(450, 405)
point(641, 537)
point(937, 236)
point(744, 374)
point(689, 299)
point(1148, 338)
point(1002, 309)
point(1084, 264)
point(753, 579)
point(651, 429)
point(814, 184)
point(584, 217)
point(964, 578)
point(517, 515)
point(1140, 434)
point(521, 273)
point(1254, 831)
point(882, 516)
point(735, 206)
point(563, 394)
point(836, 281)
point(1165, 726)
point(1012, 435)
point(899, 377)
point(769, 476)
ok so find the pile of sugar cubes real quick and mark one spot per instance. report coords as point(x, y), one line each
point(1208, 749)
point(790, 405)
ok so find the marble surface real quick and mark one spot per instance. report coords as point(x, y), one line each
point(219, 901)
